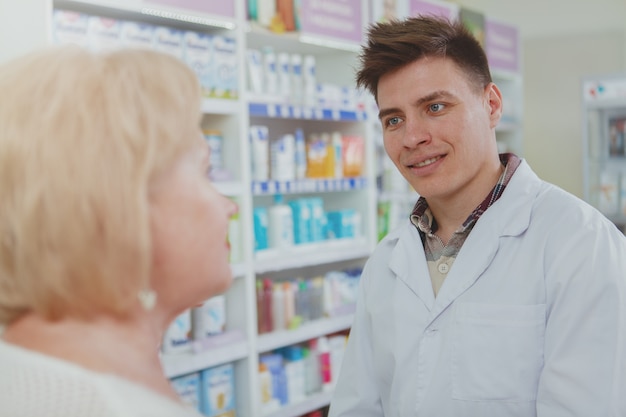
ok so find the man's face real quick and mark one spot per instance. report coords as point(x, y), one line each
point(438, 129)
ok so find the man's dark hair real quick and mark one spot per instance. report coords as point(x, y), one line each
point(392, 45)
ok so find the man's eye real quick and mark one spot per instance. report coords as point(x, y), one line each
point(436, 107)
point(393, 121)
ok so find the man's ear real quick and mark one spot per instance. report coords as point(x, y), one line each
point(493, 100)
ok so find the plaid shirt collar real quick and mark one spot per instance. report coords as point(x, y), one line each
point(422, 217)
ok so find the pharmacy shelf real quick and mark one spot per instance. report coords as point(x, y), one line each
point(238, 270)
point(216, 350)
point(309, 185)
point(288, 111)
point(295, 42)
point(312, 403)
point(311, 254)
point(220, 106)
point(229, 188)
point(307, 331)
point(137, 10)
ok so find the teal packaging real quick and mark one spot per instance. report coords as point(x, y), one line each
point(301, 221)
point(318, 219)
point(260, 220)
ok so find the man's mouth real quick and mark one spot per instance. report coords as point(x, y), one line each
point(426, 162)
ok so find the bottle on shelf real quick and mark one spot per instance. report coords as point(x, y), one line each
point(323, 349)
point(280, 224)
point(278, 307)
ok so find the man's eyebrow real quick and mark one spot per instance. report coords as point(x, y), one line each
point(435, 95)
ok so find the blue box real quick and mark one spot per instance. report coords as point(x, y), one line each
point(217, 396)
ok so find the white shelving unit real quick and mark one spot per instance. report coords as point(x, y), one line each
point(604, 145)
point(335, 62)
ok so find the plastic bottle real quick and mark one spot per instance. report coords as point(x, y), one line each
point(290, 304)
point(280, 224)
point(278, 307)
point(294, 370)
point(259, 307)
point(312, 377)
point(282, 151)
point(265, 381)
point(300, 154)
point(337, 346)
point(260, 152)
point(302, 301)
point(323, 352)
point(267, 323)
point(337, 154)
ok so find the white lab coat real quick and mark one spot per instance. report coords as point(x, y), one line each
point(530, 321)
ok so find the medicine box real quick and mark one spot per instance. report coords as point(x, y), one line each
point(217, 398)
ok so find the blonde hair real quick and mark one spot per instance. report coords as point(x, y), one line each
point(82, 136)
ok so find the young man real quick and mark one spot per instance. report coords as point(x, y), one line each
point(502, 295)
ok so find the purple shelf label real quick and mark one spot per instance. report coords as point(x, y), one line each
point(439, 9)
point(502, 46)
point(339, 20)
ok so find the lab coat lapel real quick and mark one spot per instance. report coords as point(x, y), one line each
point(509, 216)
point(475, 256)
point(408, 263)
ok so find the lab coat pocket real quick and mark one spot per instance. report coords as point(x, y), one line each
point(497, 351)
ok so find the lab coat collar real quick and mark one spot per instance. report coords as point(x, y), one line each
point(509, 216)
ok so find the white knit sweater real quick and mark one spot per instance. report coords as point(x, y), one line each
point(37, 385)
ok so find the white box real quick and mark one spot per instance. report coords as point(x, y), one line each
point(70, 27)
point(104, 34)
point(137, 35)
point(197, 48)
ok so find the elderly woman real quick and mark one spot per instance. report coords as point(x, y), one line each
point(109, 228)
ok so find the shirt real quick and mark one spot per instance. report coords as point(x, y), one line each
point(33, 385)
point(440, 257)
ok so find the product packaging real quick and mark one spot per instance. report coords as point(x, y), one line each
point(294, 370)
point(197, 54)
point(310, 81)
point(210, 318)
point(266, 10)
point(297, 81)
point(337, 154)
point(353, 156)
point(301, 221)
point(260, 152)
point(283, 150)
point(217, 397)
point(260, 220)
point(215, 141)
point(177, 337)
point(234, 239)
point(278, 307)
point(169, 41)
point(188, 389)
point(225, 67)
point(300, 155)
point(284, 74)
point(255, 71)
point(270, 72)
point(70, 27)
point(104, 33)
point(137, 35)
point(318, 219)
point(318, 157)
point(280, 224)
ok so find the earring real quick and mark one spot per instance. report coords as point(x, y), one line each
point(147, 299)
